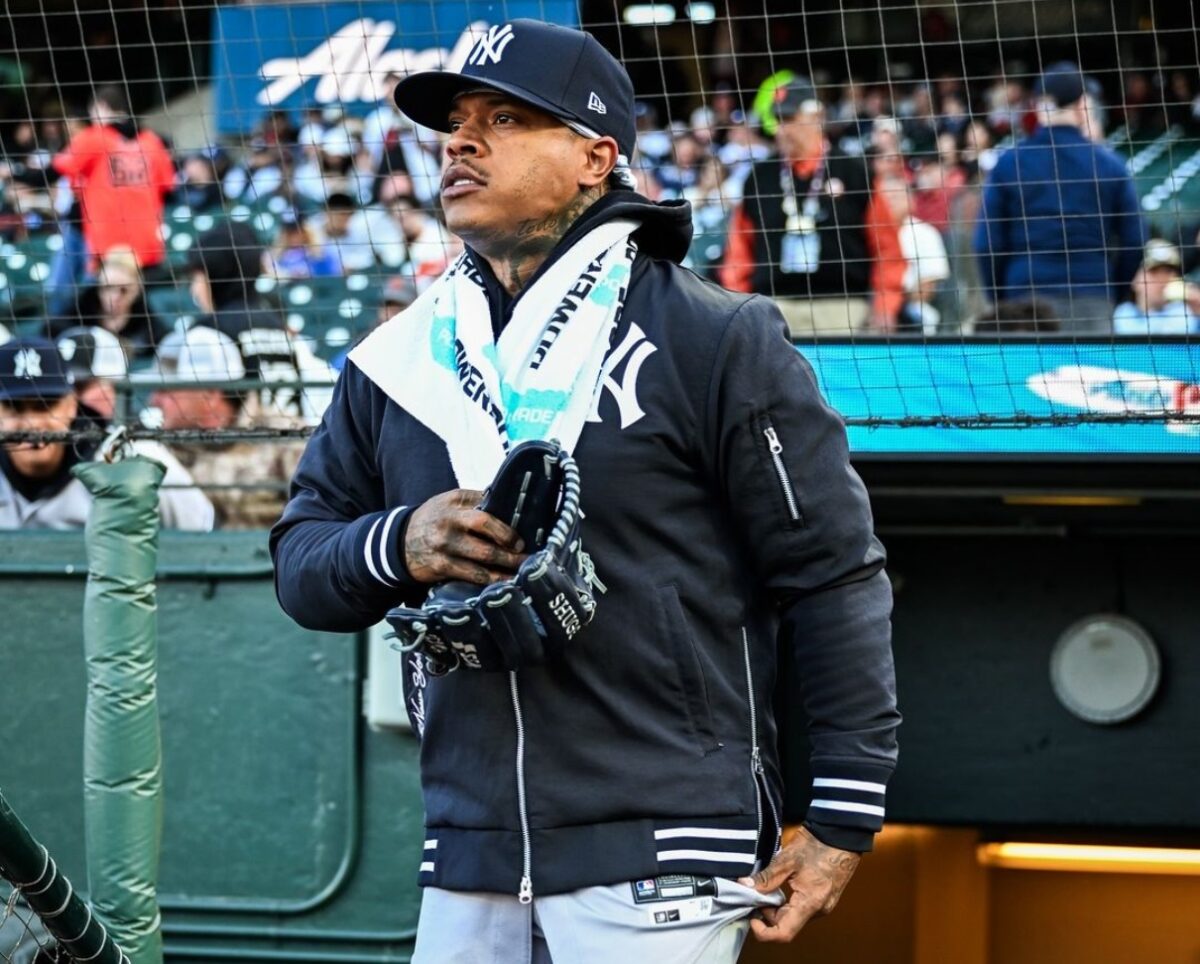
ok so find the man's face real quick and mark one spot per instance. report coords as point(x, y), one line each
point(337, 221)
point(412, 219)
point(196, 170)
point(688, 151)
point(506, 165)
point(37, 460)
point(98, 394)
point(199, 408)
point(1154, 281)
point(801, 135)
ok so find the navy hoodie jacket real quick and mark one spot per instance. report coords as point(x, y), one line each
point(1060, 217)
point(720, 511)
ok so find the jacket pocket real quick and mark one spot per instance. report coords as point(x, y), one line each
point(770, 446)
point(688, 669)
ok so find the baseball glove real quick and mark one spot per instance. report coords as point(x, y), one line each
point(533, 616)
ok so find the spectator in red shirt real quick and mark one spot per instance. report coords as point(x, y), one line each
point(120, 175)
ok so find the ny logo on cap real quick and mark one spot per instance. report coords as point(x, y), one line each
point(596, 104)
point(28, 364)
point(491, 45)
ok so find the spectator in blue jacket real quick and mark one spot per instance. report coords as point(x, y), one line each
point(1060, 218)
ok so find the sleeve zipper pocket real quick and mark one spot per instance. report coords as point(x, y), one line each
point(775, 449)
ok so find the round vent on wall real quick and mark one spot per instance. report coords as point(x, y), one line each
point(1105, 669)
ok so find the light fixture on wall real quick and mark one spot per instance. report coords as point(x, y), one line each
point(1089, 858)
point(650, 14)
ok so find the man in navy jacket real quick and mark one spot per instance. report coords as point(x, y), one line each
point(1060, 218)
point(622, 801)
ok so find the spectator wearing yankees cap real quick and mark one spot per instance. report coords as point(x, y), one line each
point(570, 801)
point(37, 489)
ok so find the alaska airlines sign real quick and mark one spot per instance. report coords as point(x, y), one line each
point(294, 56)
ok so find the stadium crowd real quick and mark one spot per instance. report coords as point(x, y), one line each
point(864, 209)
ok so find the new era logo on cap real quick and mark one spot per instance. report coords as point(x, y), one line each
point(596, 104)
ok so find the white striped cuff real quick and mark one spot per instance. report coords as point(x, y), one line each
point(377, 549)
point(849, 795)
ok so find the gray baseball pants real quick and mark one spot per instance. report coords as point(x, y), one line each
point(681, 919)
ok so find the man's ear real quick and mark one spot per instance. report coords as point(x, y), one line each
point(70, 407)
point(599, 161)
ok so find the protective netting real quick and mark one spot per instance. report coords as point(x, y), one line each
point(43, 919)
point(23, 939)
point(981, 215)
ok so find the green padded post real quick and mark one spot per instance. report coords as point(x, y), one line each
point(122, 751)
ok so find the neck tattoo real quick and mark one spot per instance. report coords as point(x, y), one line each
point(517, 257)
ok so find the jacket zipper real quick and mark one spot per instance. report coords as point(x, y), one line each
point(525, 891)
point(775, 447)
point(759, 772)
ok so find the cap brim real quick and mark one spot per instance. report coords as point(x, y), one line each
point(32, 389)
point(428, 96)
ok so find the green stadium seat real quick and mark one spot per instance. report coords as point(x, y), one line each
point(172, 305)
point(329, 312)
point(24, 270)
point(181, 227)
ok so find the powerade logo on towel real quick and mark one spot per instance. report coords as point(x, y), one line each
point(293, 56)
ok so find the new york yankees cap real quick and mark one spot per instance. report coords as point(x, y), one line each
point(563, 71)
point(32, 368)
point(92, 352)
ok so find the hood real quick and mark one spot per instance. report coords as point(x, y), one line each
point(666, 230)
point(126, 127)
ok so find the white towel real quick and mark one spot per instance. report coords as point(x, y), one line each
point(439, 361)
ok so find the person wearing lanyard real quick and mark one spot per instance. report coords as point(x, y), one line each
point(799, 236)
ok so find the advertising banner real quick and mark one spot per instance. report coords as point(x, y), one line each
point(1019, 398)
point(293, 56)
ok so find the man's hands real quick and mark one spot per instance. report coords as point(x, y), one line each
point(816, 875)
point(449, 538)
